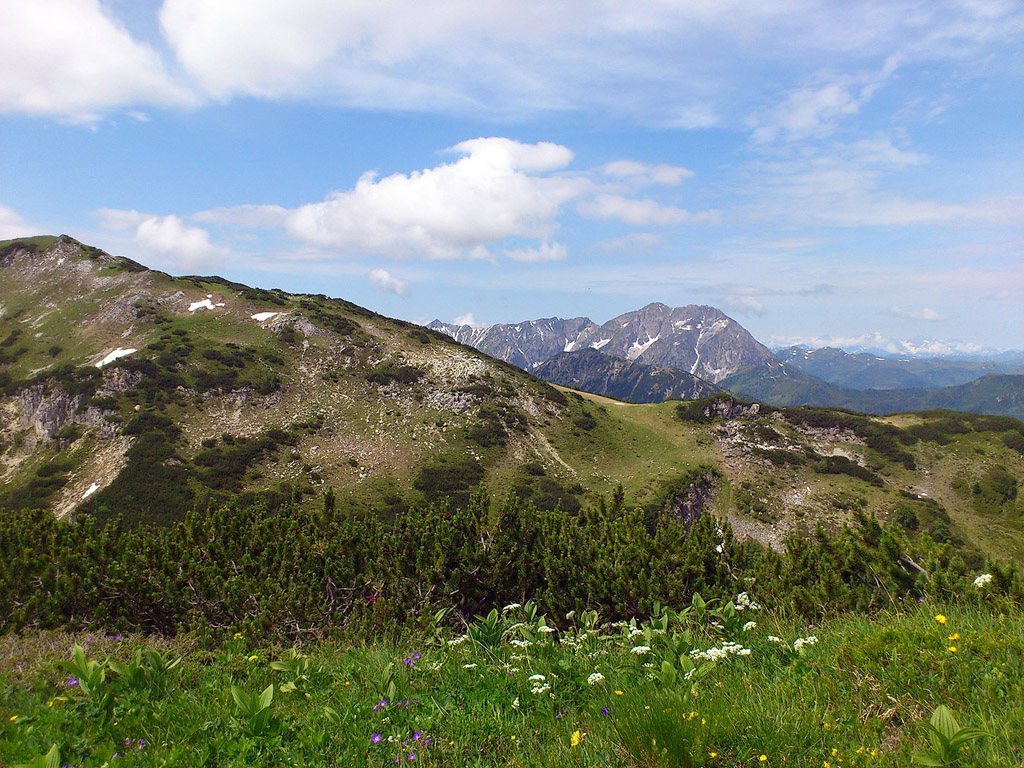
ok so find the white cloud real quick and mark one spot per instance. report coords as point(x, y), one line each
point(250, 216)
point(635, 241)
point(383, 280)
point(174, 244)
point(815, 111)
point(450, 211)
point(72, 59)
point(466, 319)
point(544, 252)
point(642, 212)
point(927, 314)
point(13, 225)
point(668, 63)
point(647, 174)
point(747, 305)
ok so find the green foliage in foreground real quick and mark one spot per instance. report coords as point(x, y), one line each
point(711, 685)
point(286, 573)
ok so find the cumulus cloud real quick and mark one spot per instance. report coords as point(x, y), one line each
point(642, 212)
point(13, 225)
point(72, 59)
point(174, 244)
point(495, 191)
point(466, 319)
point(647, 174)
point(929, 315)
point(385, 281)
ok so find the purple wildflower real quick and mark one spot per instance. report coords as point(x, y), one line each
point(375, 738)
point(417, 736)
point(73, 681)
point(604, 710)
point(411, 756)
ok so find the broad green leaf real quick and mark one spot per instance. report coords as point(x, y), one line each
point(267, 697)
point(942, 720)
point(927, 758)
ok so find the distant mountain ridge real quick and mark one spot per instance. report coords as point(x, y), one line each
point(704, 342)
point(592, 370)
point(864, 370)
point(700, 340)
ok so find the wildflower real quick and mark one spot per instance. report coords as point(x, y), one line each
point(952, 649)
point(640, 650)
point(515, 704)
point(595, 678)
point(417, 736)
point(940, 618)
point(513, 738)
point(546, 629)
point(576, 738)
point(469, 666)
point(774, 639)
point(73, 682)
point(835, 752)
point(983, 580)
point(375, 738)
point(238, 635)
point(800, 642)
point(511, 607)
point(954, 636)
point(604, 710)
point(749, 626)
point(763, 758)
point(532, 678)
point(618, 693)
point(13, 718)
point(253, 657)
point(712, 755)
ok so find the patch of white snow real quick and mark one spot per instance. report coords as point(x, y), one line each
point(204, 304)
point(90, 491)
point(121, 352)
point(638, 349)
point(260, 317)
point(599, 344)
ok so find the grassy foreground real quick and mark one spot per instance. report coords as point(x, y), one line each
point(707, 686)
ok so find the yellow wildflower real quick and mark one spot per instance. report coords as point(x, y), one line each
point(712, 754)
point(834, 751)
point(253, 657)
point(763, 758)
point(13, 718)
point(940, 618)
point(238, 635)
point(513, 738)
point(954, 636)
point(618, 693)
point(952, 649)
point(576, 738)
point(826, 764)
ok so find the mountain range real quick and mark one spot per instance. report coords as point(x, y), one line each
point(703, 342)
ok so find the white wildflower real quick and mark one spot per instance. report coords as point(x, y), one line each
point(511, 607)
point(774, 639)
point(743, 652)
point(538, 689)
point(520, 643)
point(800, 642)
point(749, 626)
point(634, 632)
point(640, 650)
point(533, 678)
point(458, 640)
point(595, 678)
point(515, 704)
point(983, 580)
point(469, 666)
point(546, 629)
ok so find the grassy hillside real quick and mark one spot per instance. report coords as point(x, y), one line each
point(521, 689)
point(215, 406)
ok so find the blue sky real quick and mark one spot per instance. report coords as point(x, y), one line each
point(847, 173)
